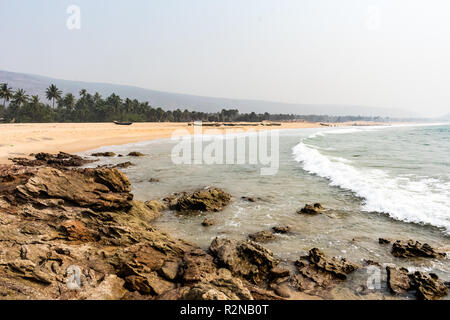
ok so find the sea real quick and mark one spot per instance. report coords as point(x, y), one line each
point(374, 182)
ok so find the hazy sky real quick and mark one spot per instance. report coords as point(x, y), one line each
point(393, 53)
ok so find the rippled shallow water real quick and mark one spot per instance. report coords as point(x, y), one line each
point(391, 182)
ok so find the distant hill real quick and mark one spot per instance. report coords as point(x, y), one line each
point(35, 84)
point(445, 118)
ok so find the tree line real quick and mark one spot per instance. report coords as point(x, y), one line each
point(19, 107)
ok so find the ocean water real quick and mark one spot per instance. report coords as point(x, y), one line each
point(381, 181)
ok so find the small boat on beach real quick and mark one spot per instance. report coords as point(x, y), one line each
point(123, 123)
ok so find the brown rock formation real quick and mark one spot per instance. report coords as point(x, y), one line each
point(411, 248)
point(317, 272)
point(209, 199)
point(311, 209)
point(262, 236)
point(244, 258)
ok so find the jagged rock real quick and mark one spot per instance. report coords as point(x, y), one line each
point(209, 199)
point(153, 180)
point(262, 236)
point(208, 222)
point(384, 241)
point(103, 154)
point(87, 188)
point(252, 199)
point(405, 249)
point(398, 280)
point(136, 154)
point(319, 272)
point(59, 160)
point(428, 286)
point(311, 209)
point(244, 258)
point(281, 229)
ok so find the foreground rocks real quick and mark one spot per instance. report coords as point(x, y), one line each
point(209, 199)
point(245, 259)
point(317, 272)
point(427, 286)
point(79, 234)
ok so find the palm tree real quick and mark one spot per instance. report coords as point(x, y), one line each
point(20, 97)
point(34, 100)
point(53, 93)
point(5, 93)
point(83, 93)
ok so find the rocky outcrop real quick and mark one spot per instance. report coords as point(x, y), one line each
point(136, 154)
point(78, 234)
point(428, 286)
point(103, 154)
point(246, 259)
point(59, 160)
point(317, 272)
point(262, 236)
point(209, 199)
point(411, 248)
point(398, 280)
point(311, 209)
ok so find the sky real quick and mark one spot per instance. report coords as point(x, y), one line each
point(390, 54)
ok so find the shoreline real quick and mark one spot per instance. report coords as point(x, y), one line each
point(23, 139)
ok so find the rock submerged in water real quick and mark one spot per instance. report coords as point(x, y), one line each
point(281, 229)
point(262, 236)
point(103, 154)
point(411, 248)
point(311, 209)
point(209, 199)
point(317, 272)
point(136, 154)
point(208, 222)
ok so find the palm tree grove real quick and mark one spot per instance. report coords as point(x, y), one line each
point(19, 107)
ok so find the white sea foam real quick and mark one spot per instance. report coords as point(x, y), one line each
point(403, 198)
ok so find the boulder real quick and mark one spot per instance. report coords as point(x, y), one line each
point(208, 222)
point(428, 286)
point(411, 248)
point(208, 200)
point(398, 280)
point(384, 241)
point(262, 236)
point(281, 229)
point(311, 209)
point(244, 258)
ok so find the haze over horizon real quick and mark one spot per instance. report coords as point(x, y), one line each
point(388, 54)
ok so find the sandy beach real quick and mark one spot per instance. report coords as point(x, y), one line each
point(19, 140)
